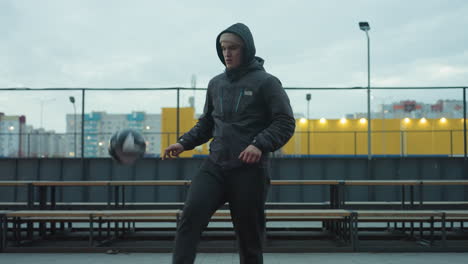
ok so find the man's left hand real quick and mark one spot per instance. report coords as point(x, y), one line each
point(250, 155)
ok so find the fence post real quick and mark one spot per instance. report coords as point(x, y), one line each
point(464, 123)
point(29, 145)
point(355, 143)
point(178, 113)
point(451, 143)
point(82, 121)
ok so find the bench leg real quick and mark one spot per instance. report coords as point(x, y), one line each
point(91, 234)
point(403, 197)
point(30, 230)
point(116, 229)
point(178, 216)
point(2, 233)
point(421, 195)
point(412, 196)
point(100, 228)
point(332, 196)
point(116, 196)
point(123, 196)
point(30, 196)
point(432, 231)
point(17, 230)
point(421, 232)
point(346, 229)
point(412, 229)
point(52, 197)
point(109, 196)
point(53, 227)
point(108, 230)
point(354, 237)
point(349, 229)
point(444, 232)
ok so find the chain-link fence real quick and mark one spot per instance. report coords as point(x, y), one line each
point(405, 121)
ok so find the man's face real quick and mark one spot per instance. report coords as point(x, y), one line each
point(232, 53)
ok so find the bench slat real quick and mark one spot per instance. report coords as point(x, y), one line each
point(71, 183)
point(382, 182)
point(150, 183)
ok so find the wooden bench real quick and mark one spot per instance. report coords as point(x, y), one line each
point(344, 223)
point(118, 186)
point(412, 216)
point(131, 216)
point(337, 189)
point(87, 216)
point(15, 183)
point(411, 184)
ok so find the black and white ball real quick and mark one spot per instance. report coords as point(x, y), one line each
point(126, 146)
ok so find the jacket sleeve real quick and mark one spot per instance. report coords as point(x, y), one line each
point(282, 123)
point(203, 130)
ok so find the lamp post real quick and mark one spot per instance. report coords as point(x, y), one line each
point(42, 101)
point(308, 97)
point(42, 134)
point(72, 100)
point(364, 26)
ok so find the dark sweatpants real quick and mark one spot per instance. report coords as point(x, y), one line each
point(245, 189)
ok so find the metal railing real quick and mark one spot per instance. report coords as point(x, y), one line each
point(26, 147)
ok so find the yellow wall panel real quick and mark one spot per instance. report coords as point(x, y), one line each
point(347, 137)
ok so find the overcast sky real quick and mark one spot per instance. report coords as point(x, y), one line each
point(112, 43)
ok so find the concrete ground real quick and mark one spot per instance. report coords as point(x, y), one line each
point(214, 258)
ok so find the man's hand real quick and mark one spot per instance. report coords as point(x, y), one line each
point(173, 151)
point(250, 155)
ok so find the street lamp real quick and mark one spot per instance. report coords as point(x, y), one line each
point(72, 100)
point(308, 97)
point(365, 27)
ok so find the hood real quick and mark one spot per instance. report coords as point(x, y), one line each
point(244, 33)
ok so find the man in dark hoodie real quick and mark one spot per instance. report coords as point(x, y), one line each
point(248, 115)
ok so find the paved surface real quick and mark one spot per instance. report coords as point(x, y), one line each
point(271, 258)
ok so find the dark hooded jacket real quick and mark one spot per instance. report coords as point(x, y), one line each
point(243, 106)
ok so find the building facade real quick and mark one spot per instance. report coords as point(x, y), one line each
point(415, 109)
point(12, 139)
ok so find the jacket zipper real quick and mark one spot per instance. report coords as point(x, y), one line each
point(238, 100)
point(221, 100)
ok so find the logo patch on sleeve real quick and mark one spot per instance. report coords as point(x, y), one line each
point(249, 93)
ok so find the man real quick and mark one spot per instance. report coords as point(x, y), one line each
point(248, 115)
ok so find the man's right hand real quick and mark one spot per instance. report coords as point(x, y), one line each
point(173, 151)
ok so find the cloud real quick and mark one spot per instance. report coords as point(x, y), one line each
point(305, 43)
point(439, 71)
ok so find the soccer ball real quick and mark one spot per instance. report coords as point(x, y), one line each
point(126, 146)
